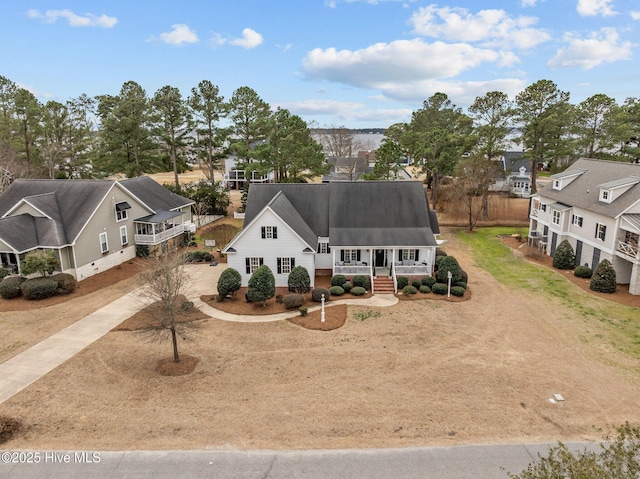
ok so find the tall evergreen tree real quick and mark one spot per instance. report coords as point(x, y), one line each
point(592, 126)
point(249, 114)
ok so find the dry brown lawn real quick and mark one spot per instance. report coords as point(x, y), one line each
point(422, 372)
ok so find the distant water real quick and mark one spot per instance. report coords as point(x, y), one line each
point(368, 141)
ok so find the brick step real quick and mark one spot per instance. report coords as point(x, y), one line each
point(383, 285)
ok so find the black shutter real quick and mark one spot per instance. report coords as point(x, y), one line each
point(357, 255)
point(595, 261)
point(293, 263)
point(417, 254)
point(279, 265)
point(328, 248)
point(261, 261)
point(596, 235)
point(578, 252)
point(248, 263)
point(341, 255)
point(275, 232)
point(262, 231)
point(604, 232)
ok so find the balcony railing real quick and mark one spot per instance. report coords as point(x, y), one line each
point(628, 249)
point(534, 212)
point(160, 236)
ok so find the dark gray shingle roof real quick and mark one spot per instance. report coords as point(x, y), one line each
point(154, 195)
point(25, 232)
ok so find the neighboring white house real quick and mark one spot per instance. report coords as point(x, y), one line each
point(595, 205)
point(515, 174)
point(235, 175)
point(379, 229)
point(92, 225)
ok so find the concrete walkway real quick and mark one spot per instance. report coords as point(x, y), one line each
point(23, 369)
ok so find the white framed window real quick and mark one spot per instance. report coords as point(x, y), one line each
point(121, 211)
point(604, 195)
point(350, 255)
point(556, 184)
point(253, 264)
point(601, 231)
point(285, 265)
point(323, 248)
point(408, 255)
point(123, 235)
point(269, 232)
point(556, 217)
point(104, 243)
point(577, 220)
point(543, 207)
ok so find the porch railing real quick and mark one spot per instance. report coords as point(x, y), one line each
point(352, 269)
point(422, 269)
point(534, 212)
point(628, 249)
point(159, 237)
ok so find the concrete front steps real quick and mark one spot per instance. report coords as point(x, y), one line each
point(383, 285)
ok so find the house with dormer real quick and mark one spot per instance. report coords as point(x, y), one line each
point(595, 205)
point(379, 229)
point(91, 225)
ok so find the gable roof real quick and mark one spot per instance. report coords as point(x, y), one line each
point(155, 196)
point(584, 191)
point(370, 213)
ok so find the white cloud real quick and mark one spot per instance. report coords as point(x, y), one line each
point(600, 47)
point(74, 20)
point(348, 111)
point(250, 39)
point(635, 14)
point(400, 61)
point(491, 27)
point(591, 8)
point(528, 3)
point(179, 35)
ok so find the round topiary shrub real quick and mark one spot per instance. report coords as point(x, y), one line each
point(461, 284)
point(66, 283)
point(439, 288)
point(428, 281)
point(564, 256)
point(262, 285)
point(293, 300)
point(10, 287)
point(338, 280)
point(228, 283)
point(336, 290)
point(303, 310)
point(402, 281)
point(409, 290)
point(361, 281)
point(39, 288)
point(583, 272)
point(298, 280)
point(316, 294)
point(424, 289)
point(358, 291)
point(438, 261)
point(347, 286)
point(416, 283)
point(457, 291)
point(604, 278)
point(449, 263)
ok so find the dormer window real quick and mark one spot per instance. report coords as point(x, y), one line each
point(557, 185)
point(605, 195)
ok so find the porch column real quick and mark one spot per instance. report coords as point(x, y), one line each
point(371, 265)
point(333, 262)
point(634, 283)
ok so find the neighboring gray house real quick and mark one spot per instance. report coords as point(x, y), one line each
point(595, 205)
point(515, 174)
point(380, 229)
point(92, 225)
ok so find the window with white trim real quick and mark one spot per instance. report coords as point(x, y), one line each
point(556, 185)
point(269, 232)
point(253, 264)
point(323, 248)
point(285, 265)
point(350, 255)
point(601, 231)
point(556, 217)
point(121, 211)
point(604, 195)
point(577, 220)
point(104, 243)
point(543, 207)
point(123, 235)
point(408, 255)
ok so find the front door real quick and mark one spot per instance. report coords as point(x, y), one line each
point(380, 257)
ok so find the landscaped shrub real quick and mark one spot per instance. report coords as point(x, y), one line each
point(336, 290)
point(424, 289)
point(39, 261)
point(293, 300)
point(10, 287)
point(457, 291)
point(262, 285)
point(347, 286)
point(39, 288)
point(428, 281)
point(583, 272)
point(361, 281)
point(358, 291)
point(416, 283)
point(338, 280)
point(440, 288)
point(438, 261)
point(462, 284)
point(464, 277)
point(197, 257)
point(228, 283)
point(4, 272)
point(564, 256)
point(402, 281)
point(604, 278)
point(409, 290)
point(142, 250)
point(303, 310)
point(317, 293)
point(66, 283)
point(449, 263)
point(299, 281)
point(440, 252)
point(8, 428)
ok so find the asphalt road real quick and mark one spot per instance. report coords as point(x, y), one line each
point(459, 462)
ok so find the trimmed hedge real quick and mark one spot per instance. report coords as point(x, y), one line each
point(197, 257)
point(338, 280)
point(347, 286)
point(358, 291)
point(316, 294)
point(361, 281)
point(604, 278)
point(402, 281)
point(440, 288)
point(293, 300)
point(428, 281)
point(298, 280)
point(409, 290)
point(424, 289)
point(449, 263)
point(336, 291)
point(10, 287)
point(583, 272)
point(39, 288)
point(461, 284)
point(4, 272)
point(303, 310)
point(564, 256)
point(228, 283)
point(416, 283)
point(262, 285)
point(457, 291)
point(66, 283)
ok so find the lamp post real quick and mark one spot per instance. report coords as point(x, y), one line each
point(322, 304)
point(449, 276)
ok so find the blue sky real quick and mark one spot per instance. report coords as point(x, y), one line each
point(358, 63)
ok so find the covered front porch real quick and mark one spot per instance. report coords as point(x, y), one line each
point(157, 228)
